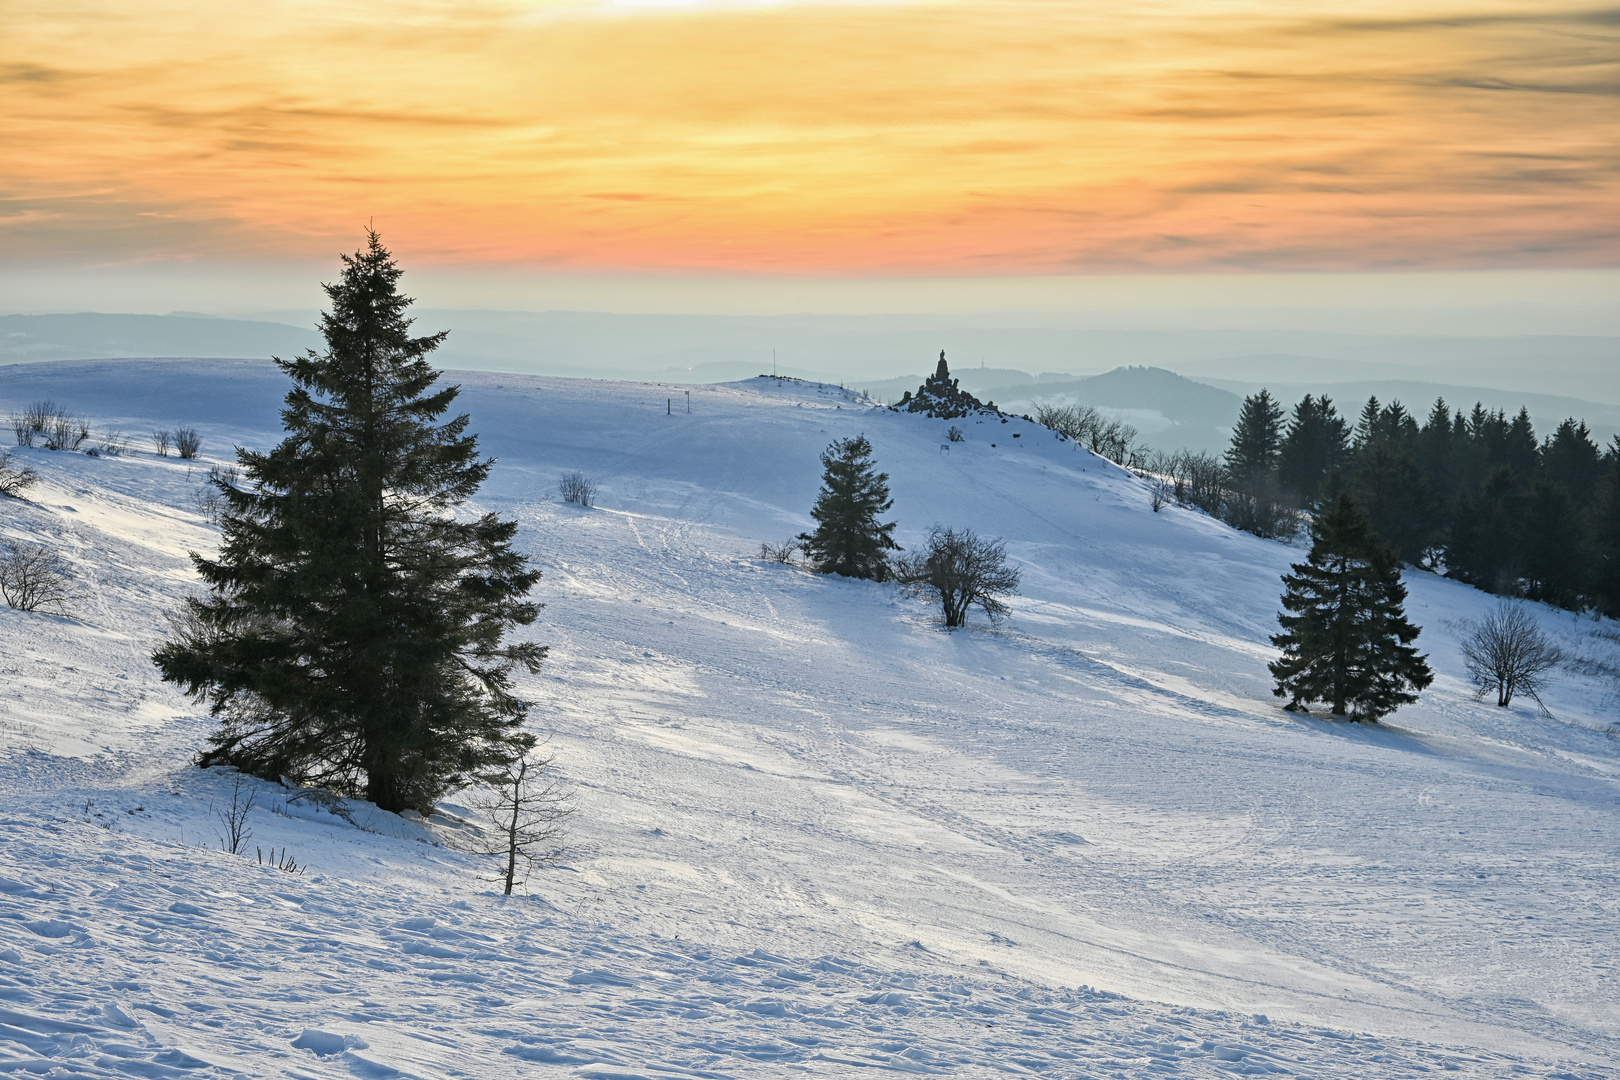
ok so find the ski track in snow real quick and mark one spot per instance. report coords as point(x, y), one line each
point(815, 830)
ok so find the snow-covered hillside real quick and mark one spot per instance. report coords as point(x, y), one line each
point(815, 829)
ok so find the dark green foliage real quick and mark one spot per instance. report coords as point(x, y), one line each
point(352, 635)
point(1255, 439)
point(1388, 482)
point(1316, 444)
point(1572, 461)
point(1484, 549)
point(849, 539)
point(1551, 541)
point(1345, 639)
point(939, 396)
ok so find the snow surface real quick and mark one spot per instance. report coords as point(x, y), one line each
point(816, 830)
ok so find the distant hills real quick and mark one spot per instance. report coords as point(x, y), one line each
point(1178, 388)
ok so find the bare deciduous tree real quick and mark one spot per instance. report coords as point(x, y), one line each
point(576, 487)
point(34, 577)
point(16, 477)
point(528, 808)
point(960, 569)
point(1507, 652)
point(161, 441)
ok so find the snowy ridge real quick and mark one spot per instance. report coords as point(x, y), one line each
point(814, 828)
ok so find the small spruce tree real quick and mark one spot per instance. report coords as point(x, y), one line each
point(352, 636)
point(1256, 439)
point(849, 539)
point(1346, 639)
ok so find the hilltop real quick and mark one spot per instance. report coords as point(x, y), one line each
point(815, 829)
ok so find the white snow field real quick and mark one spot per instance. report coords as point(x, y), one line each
point(816, 831)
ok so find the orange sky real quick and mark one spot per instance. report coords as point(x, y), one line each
point(1013, 137)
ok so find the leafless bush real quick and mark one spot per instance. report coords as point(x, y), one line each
point(528, 808)
point(16, 477)
point(1189, 479)
point(44, 423)
point(233, 816)
point(1507, 652)
point(31, 424)
point(1086, 425)
point(34, 577)
point(187, 442)
point(161, 441)
point(111, 443)
point(782, 553)
point(576, 487)
point(210, 498)
point(1259, 505)
point(960, 570)
point(955, 434)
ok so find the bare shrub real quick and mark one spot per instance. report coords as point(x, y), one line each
point(960, 570)
point(1088, 427)
point(187, 443)
point(955, 434)
point(161, 441)
point(782, 553)
point(31, 424)
point(576, 487)
point(34, 577)
point(233, 816)
point(112, 443)
point(528, 808)
point(1259, 505)
point(210, 498)
point(45, 423)
point(1189, 479)
point(1507, 652)
point(16, 476)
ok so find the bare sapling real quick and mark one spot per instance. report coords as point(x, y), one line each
point(161, 441)
point(1508, 653)
point(233, 816)
point(528, 808)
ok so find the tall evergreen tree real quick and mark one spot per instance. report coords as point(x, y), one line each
point(1572, 460)
point(1346, 639)
point(1316, 444)
point(353, 632)
point(849, 539)
point(1388, 483)
point(1256, 439)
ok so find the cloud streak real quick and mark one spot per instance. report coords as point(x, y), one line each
point(1021, 136)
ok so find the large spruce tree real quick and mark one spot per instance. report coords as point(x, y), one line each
point(849, 539)
point(1346, 639)
point(353, 632)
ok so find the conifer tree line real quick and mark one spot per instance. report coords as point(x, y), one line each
point(1474, 494)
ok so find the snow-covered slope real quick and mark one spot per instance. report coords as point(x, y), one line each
point(815, 828)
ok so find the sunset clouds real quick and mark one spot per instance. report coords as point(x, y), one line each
point(1019, 136)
